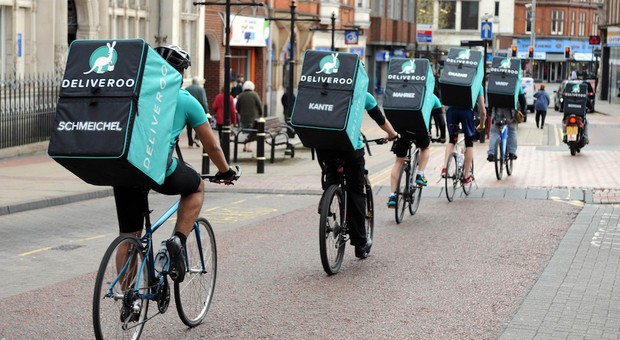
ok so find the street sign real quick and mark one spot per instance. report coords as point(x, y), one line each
point(424, 33)
point(351, 37)
point(486, 30)
point(471, 43)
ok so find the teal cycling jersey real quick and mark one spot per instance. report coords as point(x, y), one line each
point(190, 111)
point(436, 102)
point(371, 102)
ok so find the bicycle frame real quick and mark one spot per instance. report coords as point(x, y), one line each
point(503, 135)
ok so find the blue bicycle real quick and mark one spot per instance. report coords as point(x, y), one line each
point(501, 155)
point(127, 279)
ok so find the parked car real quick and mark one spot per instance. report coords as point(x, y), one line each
point(558, 103)
point(529, 88)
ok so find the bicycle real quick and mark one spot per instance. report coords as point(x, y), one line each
point(501, 156)
point(127, 279)
point(333, 229)
point(454, 171)
point(409, 193)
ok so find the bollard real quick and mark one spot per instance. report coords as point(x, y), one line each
point(260, 146)
point(205, 163)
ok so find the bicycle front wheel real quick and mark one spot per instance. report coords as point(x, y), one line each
point(467, 187)
point(499, 160)
point(452, 177)
point(193, 296)
point(119, 311)
point(402, 192)
point(332, 229)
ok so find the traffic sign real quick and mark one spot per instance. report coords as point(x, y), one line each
point(595, 40)
point(351, 37)
point(424, 33)
point(486, 30)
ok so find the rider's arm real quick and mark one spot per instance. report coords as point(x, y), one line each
point(211, 145)
point(375, 113)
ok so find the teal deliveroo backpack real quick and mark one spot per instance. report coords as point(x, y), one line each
point(407, 101)
point(329, 107)
point(461, 78)
point(504, 82)
point(114, 115)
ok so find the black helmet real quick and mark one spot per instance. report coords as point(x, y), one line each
point(175, 56)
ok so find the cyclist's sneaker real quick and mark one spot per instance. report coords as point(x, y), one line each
point(443, 172)
point(361, 252)
point(491, 158)
point(442, 140)
point(421, 180)
point(391, 203)
point(468, 180)
point(177, 259)
point(512, 156)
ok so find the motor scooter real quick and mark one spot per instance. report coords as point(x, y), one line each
point(574, 127)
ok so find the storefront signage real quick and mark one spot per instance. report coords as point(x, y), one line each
point(613, 36)
point(248, 31)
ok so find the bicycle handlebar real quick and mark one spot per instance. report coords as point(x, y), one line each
point(212, 179)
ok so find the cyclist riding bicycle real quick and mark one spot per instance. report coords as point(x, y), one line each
point(354, 167)
point(400, 148)
point(465, 117)
point(181, 178)
point(497, 114)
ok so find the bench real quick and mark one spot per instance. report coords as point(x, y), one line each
point(276, 133)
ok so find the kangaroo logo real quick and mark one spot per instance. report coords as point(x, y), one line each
point(464, 54)
point(408, 67)
point(329, 64)
point(575, 89)
point(504, 63)
point(102, 60)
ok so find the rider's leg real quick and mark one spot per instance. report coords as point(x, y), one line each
point(511, 142)
point(356, 210)
point(492, 140)
point(469, 155)
point(398, 163)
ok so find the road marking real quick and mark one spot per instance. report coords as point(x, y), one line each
point(239, 201)
point(93, 238)
point(28, 253)
point(383, 175)
point(576, 203)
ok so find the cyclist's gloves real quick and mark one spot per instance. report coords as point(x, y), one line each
point(226, 176)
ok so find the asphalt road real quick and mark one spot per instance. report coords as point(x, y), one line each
point(454, 270)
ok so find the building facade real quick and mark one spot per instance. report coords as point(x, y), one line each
point(35, 35)
point(556, 26)
point(610, 59)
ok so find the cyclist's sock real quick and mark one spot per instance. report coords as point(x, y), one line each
point(181, 237)
point(421, 173)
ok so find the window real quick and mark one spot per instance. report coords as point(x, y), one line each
point(362, 3)
point(394, 9)
point(528, 21)
point(378, 8)
point(496, 8)
point(128, 19)
point(557, 22)
point(409, 11)
point(447, 14)
point(3, 52)
point(572, 23)
point(424, 12)
point(582, 24)
point(469, 15)
point(594, 24)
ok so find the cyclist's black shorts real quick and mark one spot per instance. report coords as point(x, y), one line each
point(400, 147)
point(130, 205)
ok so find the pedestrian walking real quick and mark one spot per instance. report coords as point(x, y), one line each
point(542, 103)
point(218, 109)
point(199, 93)
point(250, 107)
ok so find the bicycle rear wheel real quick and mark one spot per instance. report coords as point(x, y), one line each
point(467, 187)
point(370, 212)
point(118, 310)
point(193, 296)
point(332, 229)
point(415, 191)
point(452, 177)
point(499, 160)
point(402, 192)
